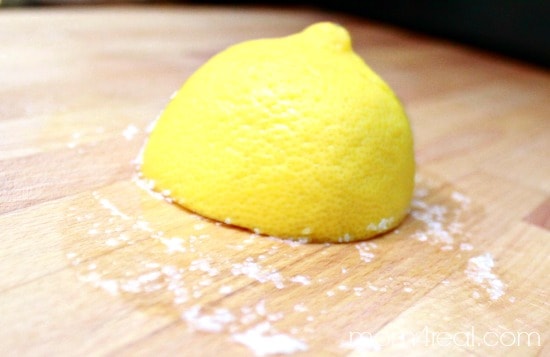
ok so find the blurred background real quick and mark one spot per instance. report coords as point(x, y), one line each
point(518, 29)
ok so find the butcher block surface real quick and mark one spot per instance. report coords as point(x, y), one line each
point(93, 263)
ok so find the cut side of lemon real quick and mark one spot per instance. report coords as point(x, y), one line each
point(294, 137)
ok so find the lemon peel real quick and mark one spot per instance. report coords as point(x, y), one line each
point(294, 137)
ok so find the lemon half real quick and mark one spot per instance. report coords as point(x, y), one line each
point(294, 137)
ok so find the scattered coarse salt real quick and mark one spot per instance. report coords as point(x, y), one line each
point(173, 245)
point(237, 247)
point(346, 238)
point(461, 198)
point(301, 279)
point(205, 282)
point(148, 186)
point(255, 271)
point(372, 287)
point(113, 209)
point(260, 308)
point(130, 131)
point(466, 246)
point(383, 225)
point(365, 253)
point(434, 218)
point(203, 264)
point(149, 277)
point(262, 340)
point(109, 285)
point(479, 271)
point(184, 279)
point(225, 290)
point(142, 226)
point(275, 317)
point(208, 322)
point(199, 226)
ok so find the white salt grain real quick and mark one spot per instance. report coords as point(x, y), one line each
point(383, 225)
point(275, 317)
point(208, 322)
point(173, 245)
point(466, 246)
point(479, 271)
point(225, 290)
point(461, 198)
point(199, 226)
point(260, 308)
point(255, 271)
point(113, 209)
point(365, 253)
point(130, 131)
point(301, 279)
point(263, 341)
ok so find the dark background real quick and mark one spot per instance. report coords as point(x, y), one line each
point(516, 28)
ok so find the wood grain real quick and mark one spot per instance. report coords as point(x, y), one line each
point(92, 264)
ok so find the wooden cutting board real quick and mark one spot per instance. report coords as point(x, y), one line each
point(93, 264)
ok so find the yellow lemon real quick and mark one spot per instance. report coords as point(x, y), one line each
point(294, 137)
